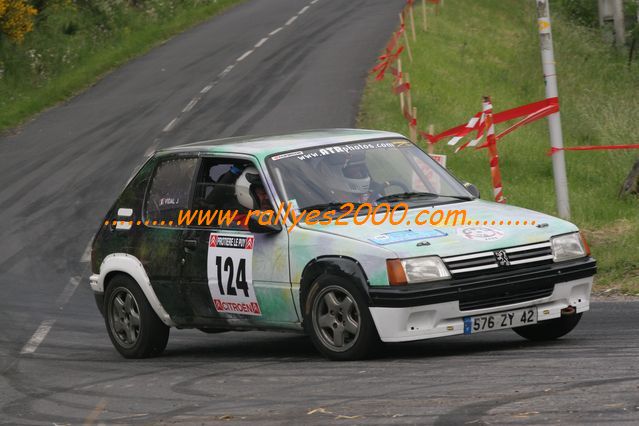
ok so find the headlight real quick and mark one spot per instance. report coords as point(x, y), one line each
point(416, 270)
point(566, 247)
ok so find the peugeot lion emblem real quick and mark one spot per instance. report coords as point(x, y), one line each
point(502, 258)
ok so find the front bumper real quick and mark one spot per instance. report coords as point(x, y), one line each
point(424, 312)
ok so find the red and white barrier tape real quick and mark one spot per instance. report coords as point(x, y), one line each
point(530, 112)
point(491, 140)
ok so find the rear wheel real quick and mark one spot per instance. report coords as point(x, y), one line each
point(337, 318)
point(549, 329)
point(134, 328)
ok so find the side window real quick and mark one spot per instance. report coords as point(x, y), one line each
point(170, 189)
point(215, 191)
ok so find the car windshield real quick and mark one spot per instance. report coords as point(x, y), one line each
point(363, 172)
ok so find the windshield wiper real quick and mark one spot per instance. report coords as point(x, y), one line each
point(409, 195)
point(333, 205)
point(459, 197)
point(406, 196)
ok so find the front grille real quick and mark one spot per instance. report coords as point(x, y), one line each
point(487, 262)
point(503, 296)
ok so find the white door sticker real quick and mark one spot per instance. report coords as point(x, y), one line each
point(230, 274)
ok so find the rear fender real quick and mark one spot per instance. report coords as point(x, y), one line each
point(130, 265)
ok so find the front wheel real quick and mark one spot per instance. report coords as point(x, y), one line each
point(549, 329)
point(337, 318)
point(134, 328)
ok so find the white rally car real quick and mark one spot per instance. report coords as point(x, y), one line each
point(349, 278)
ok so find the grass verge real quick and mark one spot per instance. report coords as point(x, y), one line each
point(72, 47)
point(492, 48)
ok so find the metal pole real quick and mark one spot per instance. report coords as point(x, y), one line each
point(619, 23)
point(601, 8)
point(554, 120)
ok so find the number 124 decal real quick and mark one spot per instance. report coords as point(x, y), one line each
point(230, 277)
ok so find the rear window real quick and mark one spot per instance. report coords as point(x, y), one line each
point(170, 189)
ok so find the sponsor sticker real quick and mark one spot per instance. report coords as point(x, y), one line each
point(407, 235)
point(230, 274)
point(288, 154)
point(480, 233)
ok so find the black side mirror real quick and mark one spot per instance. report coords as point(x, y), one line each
point(472, 189)
point(258, 228)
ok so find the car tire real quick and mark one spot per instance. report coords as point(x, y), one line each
point(549, 329)
point(134, 328)
point(337, 318)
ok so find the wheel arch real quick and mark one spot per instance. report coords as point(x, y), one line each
point(342, 266)
point(128, 265)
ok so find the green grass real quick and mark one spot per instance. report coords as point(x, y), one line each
point(492, 48)
point(73, 46)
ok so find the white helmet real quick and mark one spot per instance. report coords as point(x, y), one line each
point(243, 192)
point(346, 173)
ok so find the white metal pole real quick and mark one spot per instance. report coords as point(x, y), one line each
point(554, 120)
point(619, 23)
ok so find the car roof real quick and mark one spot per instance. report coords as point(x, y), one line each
point(272, 144)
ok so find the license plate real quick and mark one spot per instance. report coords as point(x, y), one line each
point(500, 320)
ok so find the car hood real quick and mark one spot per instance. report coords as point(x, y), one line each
point(411, 240)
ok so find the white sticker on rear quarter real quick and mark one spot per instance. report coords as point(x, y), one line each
point(230, 274)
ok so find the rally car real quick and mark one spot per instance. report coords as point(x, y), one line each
point(159, 261)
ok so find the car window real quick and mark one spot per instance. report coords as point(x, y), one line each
point(170, 189)
point(215, 191)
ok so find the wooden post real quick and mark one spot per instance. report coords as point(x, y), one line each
point(401, 81)
point(431, 131)
point(413, 129)
point(409, 97)
point(410, 54)
point(424, 22)
point(412, 22)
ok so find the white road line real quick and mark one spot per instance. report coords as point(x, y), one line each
point(206, 89)
point(226, 71)
point(86, 255)
point(314, 1)
point(244, 55)
point(304, 9)
point(190, 105)
point(38, 337)
point(290, 21)
point(170, 126)
point(275, 31)
point(261, 42)
point(68, 291)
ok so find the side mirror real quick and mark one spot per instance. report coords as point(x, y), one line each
point(472, 189)
point(258, 228)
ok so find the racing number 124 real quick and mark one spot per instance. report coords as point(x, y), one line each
point(240, 276)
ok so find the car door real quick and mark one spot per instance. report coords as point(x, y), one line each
point(159, 244)
point(231, 276)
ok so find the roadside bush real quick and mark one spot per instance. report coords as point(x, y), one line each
point(583, 12)
point(16, 19)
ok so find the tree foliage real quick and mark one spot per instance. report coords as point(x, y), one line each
point(16, 19)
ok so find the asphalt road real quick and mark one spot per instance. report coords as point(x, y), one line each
point(262, 67)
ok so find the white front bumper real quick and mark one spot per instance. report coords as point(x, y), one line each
point(445, 319)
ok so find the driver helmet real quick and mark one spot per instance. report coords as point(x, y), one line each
point(245, 187)
point(346, 173)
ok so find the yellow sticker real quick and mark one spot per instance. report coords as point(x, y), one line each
point(544, 25)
